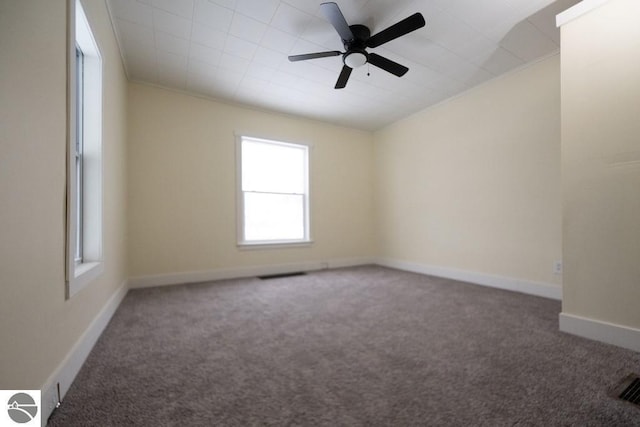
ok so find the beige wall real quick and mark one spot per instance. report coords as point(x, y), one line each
point(473, 184)
point(601, 163)
point(38, 326)
point(182, 185)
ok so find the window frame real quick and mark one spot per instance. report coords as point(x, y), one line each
point(84, 260)
point(242, 243)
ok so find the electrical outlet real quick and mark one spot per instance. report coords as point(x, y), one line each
point(557, 267)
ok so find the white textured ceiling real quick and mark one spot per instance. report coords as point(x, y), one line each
point(236, 50)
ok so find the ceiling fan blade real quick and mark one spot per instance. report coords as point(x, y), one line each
point(387, 64)
point(398, 29)
point(333, 14)
point(304, 57)
point(344, 77)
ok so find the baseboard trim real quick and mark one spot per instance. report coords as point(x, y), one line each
point(508, 283)
point(241, 272)
point(598, 330)
point(66, 372)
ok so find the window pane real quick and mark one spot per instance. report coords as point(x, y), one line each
point(273, 168)
point(273, 217)
point(79, 148)
point(78, 200)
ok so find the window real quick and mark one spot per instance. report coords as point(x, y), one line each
point(84, 174)
point(78, 153)
point(273, 192)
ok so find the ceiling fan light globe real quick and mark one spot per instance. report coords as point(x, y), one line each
point(355, 59)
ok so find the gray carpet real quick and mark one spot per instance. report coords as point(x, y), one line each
point(349, 347)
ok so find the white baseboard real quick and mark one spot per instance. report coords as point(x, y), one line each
point(66, 372)
point(610, 333)
point(507, 283)
point(240, 272)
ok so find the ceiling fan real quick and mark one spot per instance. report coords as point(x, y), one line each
point(356, 38)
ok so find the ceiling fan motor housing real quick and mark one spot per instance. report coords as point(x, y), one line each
point(356, 55)
point(361, 34)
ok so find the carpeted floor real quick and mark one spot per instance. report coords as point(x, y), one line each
point(349, 347)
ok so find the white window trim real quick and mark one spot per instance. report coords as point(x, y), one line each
point(270, 244)
point(80, 274)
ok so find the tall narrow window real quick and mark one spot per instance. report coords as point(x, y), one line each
point(78, 151)
point(84, 174)
point(274, 192)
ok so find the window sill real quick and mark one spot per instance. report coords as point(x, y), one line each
point(274, 245)
point(83, 274)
